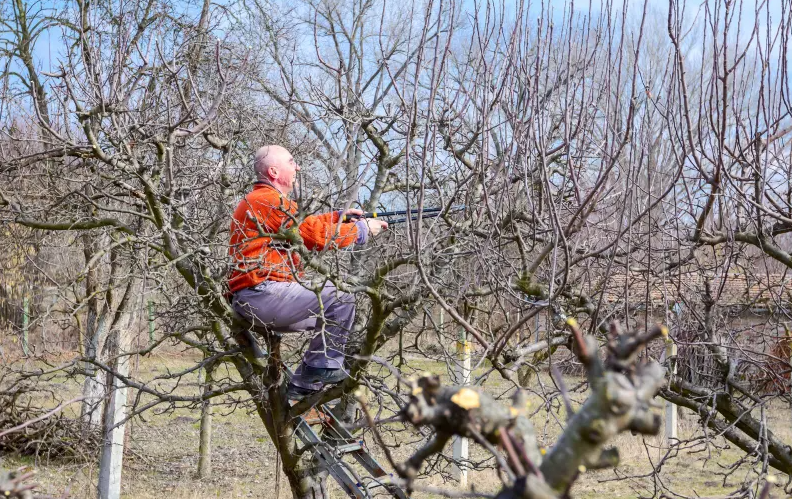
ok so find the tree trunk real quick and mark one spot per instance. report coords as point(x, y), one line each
point(96, 323)
point(93, 405)
point(307, 479)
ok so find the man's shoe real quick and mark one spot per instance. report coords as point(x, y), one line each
point(323, 375)
point(294, 392)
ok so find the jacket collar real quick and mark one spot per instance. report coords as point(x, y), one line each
point(260, 184)
point(263, 184)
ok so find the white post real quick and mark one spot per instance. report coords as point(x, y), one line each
point(94, 386)
point(460, 471)
point(205, 438)
point(112, 457)
point(788, 340)
point(671, 409)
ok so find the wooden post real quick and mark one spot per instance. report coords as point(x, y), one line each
point(671, 409)
point(111, 460)
point(25, 325)
point(460, 471)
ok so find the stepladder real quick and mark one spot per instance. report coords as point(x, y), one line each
point(345, 456)
point(334, 446)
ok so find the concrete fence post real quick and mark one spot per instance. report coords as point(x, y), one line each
point(460, 471)
point(671, 421)
point(112, 457)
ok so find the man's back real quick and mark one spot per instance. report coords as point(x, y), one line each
point(259, 257)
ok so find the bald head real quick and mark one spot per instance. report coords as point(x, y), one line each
point(276, 165)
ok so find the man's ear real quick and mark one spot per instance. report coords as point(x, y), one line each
point(272, 171)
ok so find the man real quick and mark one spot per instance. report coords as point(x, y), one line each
point(264, 279)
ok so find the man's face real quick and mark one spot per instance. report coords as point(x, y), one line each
point(285, 173)
point(290, 173)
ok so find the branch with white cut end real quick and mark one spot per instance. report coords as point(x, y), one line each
point(16, 485)
point(475, 414)
point(622, 391)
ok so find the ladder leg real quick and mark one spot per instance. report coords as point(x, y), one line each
point(327, 454)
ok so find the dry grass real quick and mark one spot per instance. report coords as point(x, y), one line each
point(164, 454)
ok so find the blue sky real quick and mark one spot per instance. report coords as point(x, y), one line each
point(48, 46)
point(49, 49)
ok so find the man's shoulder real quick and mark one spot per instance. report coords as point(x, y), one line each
point(269, 197)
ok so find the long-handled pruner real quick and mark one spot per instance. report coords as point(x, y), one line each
point(425, 213)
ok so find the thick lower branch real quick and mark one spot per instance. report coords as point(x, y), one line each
point(735, 415)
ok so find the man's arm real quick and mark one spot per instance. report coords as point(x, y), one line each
point(319, 231)
point(340, 234)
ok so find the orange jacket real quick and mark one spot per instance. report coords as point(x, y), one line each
point(257, 258)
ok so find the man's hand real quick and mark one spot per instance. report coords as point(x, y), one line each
point(351, 214)
point(376, 226)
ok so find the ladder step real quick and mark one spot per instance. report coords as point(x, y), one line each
point(374, 486)
point(387, 482)
point(351, 447)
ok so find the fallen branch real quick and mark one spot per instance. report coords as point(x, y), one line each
point(44, 416)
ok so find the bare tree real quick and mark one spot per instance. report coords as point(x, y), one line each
point(581, 165)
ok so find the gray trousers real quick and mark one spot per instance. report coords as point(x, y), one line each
point(288, 306)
